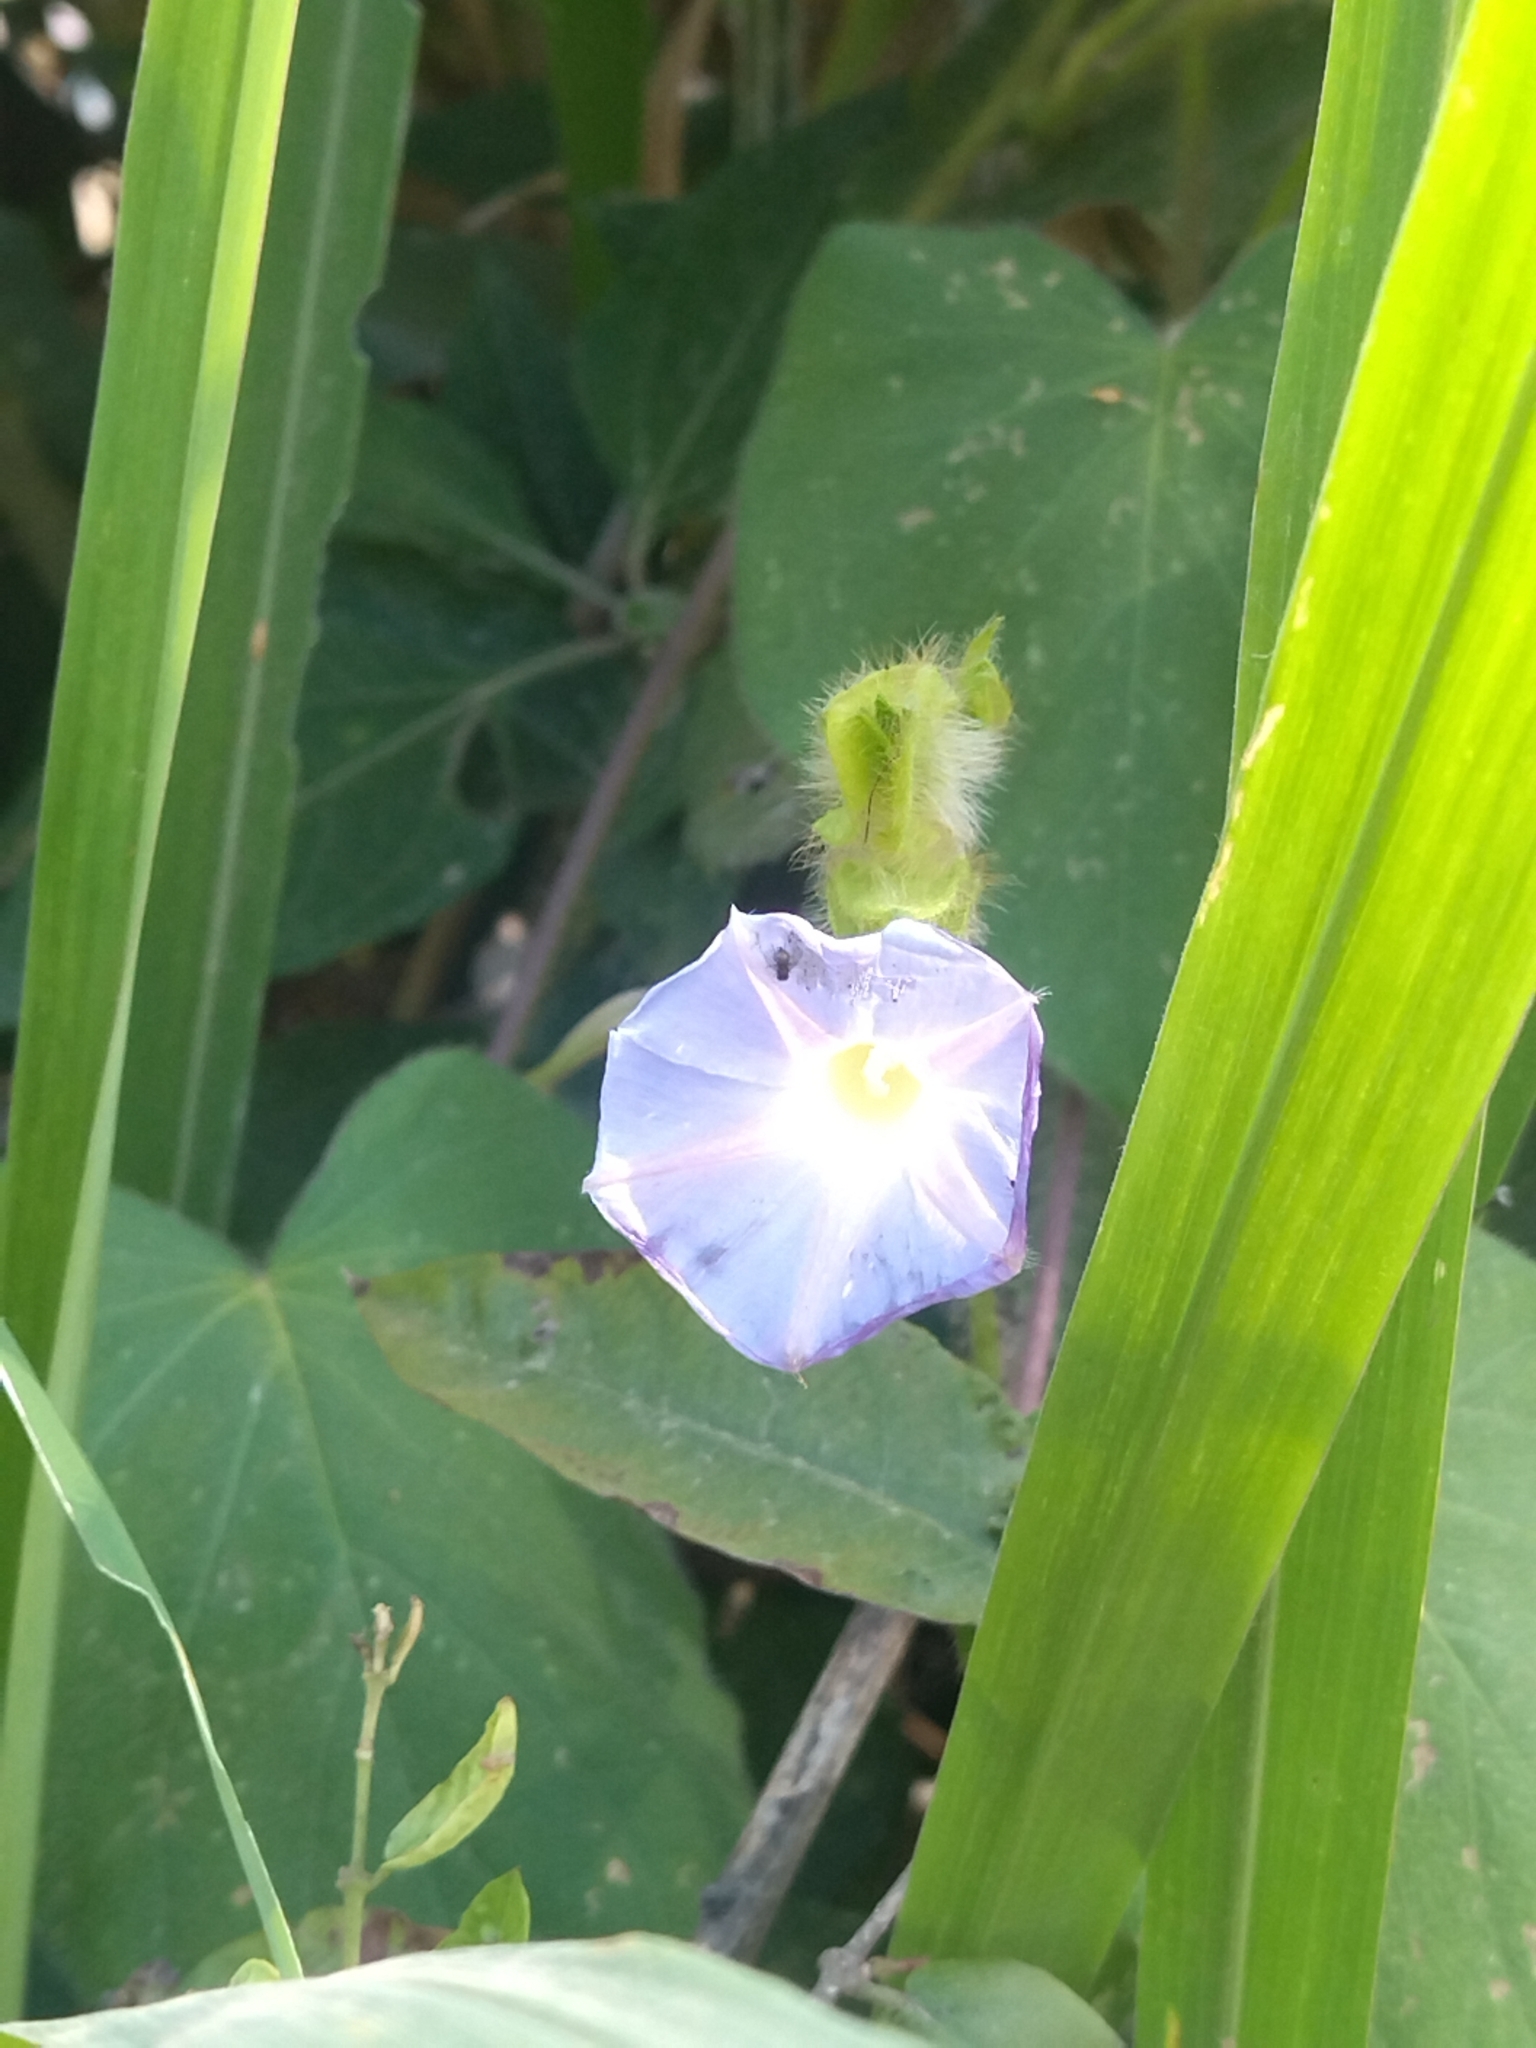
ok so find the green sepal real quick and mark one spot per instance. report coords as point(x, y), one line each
point(864, 895)
point(909, 750)
point(979, 680)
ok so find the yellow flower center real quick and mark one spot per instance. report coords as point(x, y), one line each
point(870, 1087)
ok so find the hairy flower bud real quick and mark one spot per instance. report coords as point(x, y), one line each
point(904, 758)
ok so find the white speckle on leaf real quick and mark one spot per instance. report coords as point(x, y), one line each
point(1184, 417)
point(1303, 611)
point(1217, 881)
point(920, 515)
point(1500, 1989)
point(1262, 735)
point(1470, 1860)
point(1422, 1757)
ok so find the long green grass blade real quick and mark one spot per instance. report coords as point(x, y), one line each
point(1245, 1907)
point(1195, 1926)
point(1386, 63)
point(1509, 1111)
point(1351, 1591)
point(1320, 1740)
point(599, 58)
point(197, 177)
point(1361, 963)
point(113, 1551)
point(218, 872)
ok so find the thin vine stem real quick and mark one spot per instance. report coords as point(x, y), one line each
point(689, 636)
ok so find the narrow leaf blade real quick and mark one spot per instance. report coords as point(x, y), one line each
point(1269, 1879)
point(1362, 961)
point(113, 1552)
point(197, 176)
point(218, 874)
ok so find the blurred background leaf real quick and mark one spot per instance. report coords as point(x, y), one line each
point(969, 423)
point(279, 1480)
point(411, 784)
point(1456, 1946)
point(672, 361)
point(641, 1993)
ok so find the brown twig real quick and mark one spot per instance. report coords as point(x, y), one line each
point(440, 938)
point(682, 646)
point(666, 109)
point(1029, 1383)
point(737, 1910)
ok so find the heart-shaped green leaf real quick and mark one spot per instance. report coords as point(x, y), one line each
point(964, 423)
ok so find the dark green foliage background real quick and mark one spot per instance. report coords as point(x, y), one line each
point(1049, 406)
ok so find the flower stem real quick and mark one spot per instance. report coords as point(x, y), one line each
point(380, 1671)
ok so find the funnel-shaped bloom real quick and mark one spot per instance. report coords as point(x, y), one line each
point(810, 1137)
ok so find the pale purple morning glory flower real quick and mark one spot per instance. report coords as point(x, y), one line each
point(810, 1137)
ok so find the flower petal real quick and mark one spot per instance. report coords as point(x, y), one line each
point(810, 1137)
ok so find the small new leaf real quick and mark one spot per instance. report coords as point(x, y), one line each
point(256, 1970)
point(471, 1791)
point(499, 1911)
